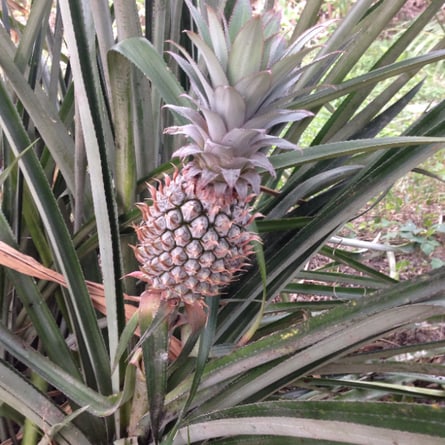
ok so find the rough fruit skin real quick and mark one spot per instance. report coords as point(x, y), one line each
point(192, 242)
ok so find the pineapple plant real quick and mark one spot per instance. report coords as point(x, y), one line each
point(194, 236)
point(74, 102)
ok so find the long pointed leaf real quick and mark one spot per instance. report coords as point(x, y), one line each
point(44, 116)
point(36, 407)
point(344, 422)
point(76, 16)
point(59, 237)
point(145, 57)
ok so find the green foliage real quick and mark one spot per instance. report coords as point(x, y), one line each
point(84, 89)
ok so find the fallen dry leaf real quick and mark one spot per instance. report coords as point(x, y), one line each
point(27, 265)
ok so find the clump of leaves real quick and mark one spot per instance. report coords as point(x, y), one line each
point(247, 367)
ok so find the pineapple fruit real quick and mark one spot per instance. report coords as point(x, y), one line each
point(193, 238)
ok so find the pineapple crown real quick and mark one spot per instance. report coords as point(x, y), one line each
point(247, 78)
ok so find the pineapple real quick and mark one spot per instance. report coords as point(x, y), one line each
point(193, 238)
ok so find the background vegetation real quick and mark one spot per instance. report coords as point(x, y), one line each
point(411, 214)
